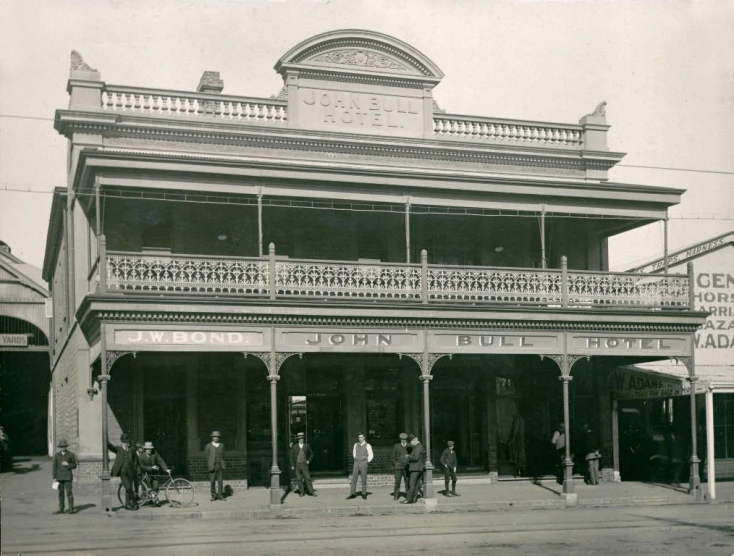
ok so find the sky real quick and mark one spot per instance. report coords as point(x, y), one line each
point(665, 68)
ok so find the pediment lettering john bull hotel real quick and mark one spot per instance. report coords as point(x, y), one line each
point(348, 256)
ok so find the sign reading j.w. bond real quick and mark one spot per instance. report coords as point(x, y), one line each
point(188, 340)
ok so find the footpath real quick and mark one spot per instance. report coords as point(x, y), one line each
point(26, 494)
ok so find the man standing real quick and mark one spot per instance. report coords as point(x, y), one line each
point(139, 475)
point(559, 443)
point(400, 464)
point(64, 462)
point(449, 460)
point(416, 460)
point(301, 456)
point(362, 454)
point(151, 463)
point(126, 467)
point(216, 466)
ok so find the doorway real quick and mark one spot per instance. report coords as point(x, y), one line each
point(164, 417)
point(319, 417)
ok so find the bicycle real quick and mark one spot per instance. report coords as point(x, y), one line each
point(179, 492)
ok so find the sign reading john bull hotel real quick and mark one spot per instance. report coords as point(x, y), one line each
point(360, 112)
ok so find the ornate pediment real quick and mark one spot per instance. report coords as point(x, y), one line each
point(355, 52)
point(359, 58)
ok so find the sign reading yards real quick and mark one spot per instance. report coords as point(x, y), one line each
point(13, 340)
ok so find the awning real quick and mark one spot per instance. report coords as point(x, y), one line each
point(668, 378)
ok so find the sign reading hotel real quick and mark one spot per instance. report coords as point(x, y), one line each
point(189, 340)
point(623, 344)
point(348, 341)
point(13, 340)
point(360, 112)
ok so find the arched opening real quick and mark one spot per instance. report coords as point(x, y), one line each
point(24, 387)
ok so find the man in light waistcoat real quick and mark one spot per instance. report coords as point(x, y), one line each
point(362, 454)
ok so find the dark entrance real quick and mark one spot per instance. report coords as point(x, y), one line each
point(164, 416)
point(314, 407)
point(458, 411)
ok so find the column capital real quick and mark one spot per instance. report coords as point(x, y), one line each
point(426, 378)
point(693, 379)
point(273, 379)
point(565, 378)
point(103, 378)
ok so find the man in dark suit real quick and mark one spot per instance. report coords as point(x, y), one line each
point(449, 461)
point(215, 465)
point(126, 467)
point(400, 464)
point(301, 456)
point(64, 462)
point(416, 461)
point(151, 462)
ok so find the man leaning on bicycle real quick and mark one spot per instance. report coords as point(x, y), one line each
point(151, 463)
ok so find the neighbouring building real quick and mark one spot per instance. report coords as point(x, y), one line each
point(665, 417)
point(343, 257)
point(24, 356)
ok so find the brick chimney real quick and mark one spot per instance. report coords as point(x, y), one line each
point(210, 83)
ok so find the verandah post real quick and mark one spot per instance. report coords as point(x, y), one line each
point(271, 270)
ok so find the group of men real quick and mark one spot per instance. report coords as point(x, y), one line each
point(408, 458)
point(135, 467)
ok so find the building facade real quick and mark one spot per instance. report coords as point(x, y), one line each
point(344, 257)
point(713, 262)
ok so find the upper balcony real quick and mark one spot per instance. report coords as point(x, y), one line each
point(271, 277)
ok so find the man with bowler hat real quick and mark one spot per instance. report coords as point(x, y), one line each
point(416, 461)
point(215, 465)
point(64, 462)
point(362, 454)
point(400, 464)
point(126, 467)
point(449, 461)
point(301, 456)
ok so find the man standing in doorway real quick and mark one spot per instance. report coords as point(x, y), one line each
point(449, 460)
point(362, 454)
point(64, 462)
point(216, 466)
point(126, 467)
point(400, 464)
point(301, 456)
point(416, 461)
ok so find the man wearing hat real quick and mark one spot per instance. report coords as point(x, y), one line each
point(151, 463)
point(362, 454)
point(64, 462)
point(215, 465)
point(301, 456)
point(416, 461)
point(449, 461)
point(139, 474)
point(126, 467)
point(400, 464)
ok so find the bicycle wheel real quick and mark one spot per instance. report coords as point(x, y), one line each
point(180, 493)
point(121, 494)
